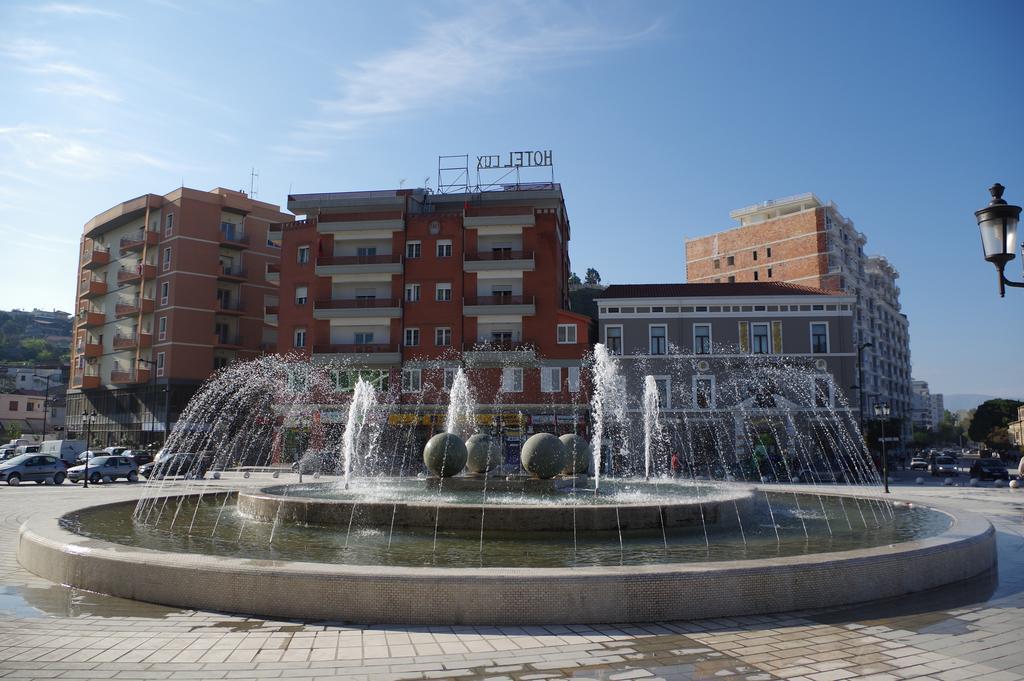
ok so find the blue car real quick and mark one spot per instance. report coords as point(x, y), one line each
point(37, 468)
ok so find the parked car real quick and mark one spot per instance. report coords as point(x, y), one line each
point(944, 465)
point(115, 451)
point(88, 454)
point(65, 450)
point(317, 462)
point(37, 468)
point(989, 469)
point(182, 464)
point(27, 449)
point(140, 456)
point(103, 468)
point(918, 464)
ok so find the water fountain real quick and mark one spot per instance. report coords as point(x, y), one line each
point(452, 533)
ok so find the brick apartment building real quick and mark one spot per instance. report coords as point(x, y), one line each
point(802, 240)
point(170, 288)
point(406, 286)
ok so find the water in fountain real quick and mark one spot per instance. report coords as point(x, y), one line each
point(461, 418)
point(608, 401)
point(364, 399)
point(651, 422)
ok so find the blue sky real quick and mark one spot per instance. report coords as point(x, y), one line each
point(662, 117)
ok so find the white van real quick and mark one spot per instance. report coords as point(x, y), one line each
point(66, 450)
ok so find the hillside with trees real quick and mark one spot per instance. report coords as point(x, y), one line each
point(34, 337)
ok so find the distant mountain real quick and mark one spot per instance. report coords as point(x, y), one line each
point(963, 401)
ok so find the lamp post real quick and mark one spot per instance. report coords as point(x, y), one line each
point(87, 419)
point(998, 225)
point(882, 413)
point(860, 381)
point(46, 400)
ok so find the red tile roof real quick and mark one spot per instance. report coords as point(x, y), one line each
point(744, 288)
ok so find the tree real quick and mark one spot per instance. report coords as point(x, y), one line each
point(999, 439)
point(593, 277)
point(990, 415)
point(574, 279)
point(13, 431)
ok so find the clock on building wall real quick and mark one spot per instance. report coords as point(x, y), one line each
point(435, 227)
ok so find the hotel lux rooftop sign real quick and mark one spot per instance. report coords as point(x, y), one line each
point(515, 159)
point(514, 170)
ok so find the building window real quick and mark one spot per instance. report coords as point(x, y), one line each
point(659, 339)
point(550, 379)
point(443, 293)
point(412, 338)
point(300, 338)
point(412, 249)
point(756, 275)
point(704, 392)
point(702, 339)
point(754, 253)
point(769, 272)
point(574, 379)
point(160, 359)
point(819, 337)
point(165, 292)
point(613, 339)
point(448, 379)
point(664, 385)
point(412, 293)
point(162, 329)
point(167, 258)
point(30, 406)
point(366, 251)
point(301, 295)
point(718, 264)
point(169, 225)
point(363, 337)
point(730, 261)
point(769, 251)
point(567, 334)
point(444, 249)
point(512, 380)
point(412, 380)
point(303, 255)
point(442, 336)
point(13, 406)
point(760, 343)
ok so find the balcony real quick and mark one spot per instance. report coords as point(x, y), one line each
point(232, 307)
point(92, 286)
point(96, 257)
point(474, 306)
point(499, 260)
point(270, 315)
point(127, 308)
point(91, 318)
point(486, 352)
point(513, 218)
point(389, 220)
point(89, 379)
point(90, 349)
point(138, 241)
point(273, 273)
point(228, 340)
point(329, 265)
point(132, 341)
point(232, 239)
point(373, 354)
point(129, 377)
point(129, 277)
point(354, 308)
point(231, 273)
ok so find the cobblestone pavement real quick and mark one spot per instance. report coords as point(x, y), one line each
point(969, 631)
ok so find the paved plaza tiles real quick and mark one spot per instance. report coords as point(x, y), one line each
point(968, 631)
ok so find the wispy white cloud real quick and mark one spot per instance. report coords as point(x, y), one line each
point(478, 51)
point(70, 9)
point(78, 153)
point(54, 73)
point(297, 152)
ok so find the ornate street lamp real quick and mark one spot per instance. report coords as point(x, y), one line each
point(87, 420)
point(998, 225)
point(882, 414)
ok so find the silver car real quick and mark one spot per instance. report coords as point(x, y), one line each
point(38, 468)
point(107, 469)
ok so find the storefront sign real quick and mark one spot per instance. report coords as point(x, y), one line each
point(515, 159)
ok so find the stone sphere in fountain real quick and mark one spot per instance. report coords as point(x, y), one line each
point(445, 455)
point(484, 453)
point(579, 454)
point(544, 455)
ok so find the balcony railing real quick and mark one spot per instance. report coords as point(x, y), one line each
point(487, 345)
point(230, 306)
point(87, 378)
point(233, 238)
point(93, 286)
point(95, 257)
point(232, 271)
point(368, 348)
point(228, 340)
point(126, 308)
point(138, 240)
point(498, 300)
point(356, 303)
point(385, 259)
point(90, 317)
point(133, 376)
point(89, 349)
point(500, 255)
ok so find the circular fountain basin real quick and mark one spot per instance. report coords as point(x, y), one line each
point(499, 505)
point(245, 566)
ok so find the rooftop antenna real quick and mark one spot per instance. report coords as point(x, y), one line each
point(401, 183)
point(254, 183)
